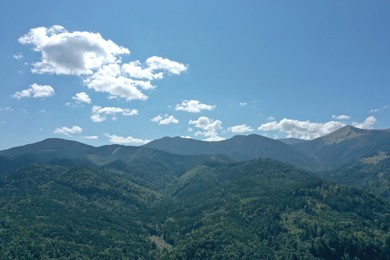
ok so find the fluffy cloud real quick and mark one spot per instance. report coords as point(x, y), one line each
point(100, 114)
point(239, 129)
point(301, 129)
point(82, 97)
point(243, 104)
point(193, 106)
point(165, 119)
point(341, 117)
point(71, 53)
point(97, 60)
point(110, 79)
point(366, 124)
point(35, 91)
point(68, 131)
point(126, 140)
point(209, 127)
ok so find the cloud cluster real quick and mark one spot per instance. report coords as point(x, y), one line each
point(97, 60)
point(100, 114)
point(301, 129)
point(209, 128)
point(68, 131)
point(35, 91)
point(165, 119)
point(126, 140)
point(240, 129)
point(310, 130)
point(193, 106)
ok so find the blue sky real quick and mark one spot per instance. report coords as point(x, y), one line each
point(128, 72)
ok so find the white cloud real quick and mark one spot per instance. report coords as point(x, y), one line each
point(193, 106)
point(35, 91)
point(270, 118)
point(341, 117)
point(243, 104)
point(239, 129)
point(161, 64)
point(154, 68)
point(301, 129)
point(126, 140)
point(165, 119)
point(18, 56)
point(71, 53)
point(109, 79)
point(366, 124)
point(6, 109)
point(98, 61)
point(100, 114)
point(82, 97)
point(68, 131)
point(90, 137)
point(209, 127)
point(376, 110)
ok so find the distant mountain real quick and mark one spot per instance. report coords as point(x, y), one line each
point(47, 150)
point(291, 140)
point(239, 148)
point(346, 145)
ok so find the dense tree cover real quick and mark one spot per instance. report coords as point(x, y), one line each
point(263, 209)
point(159, 208)
point(370, 174)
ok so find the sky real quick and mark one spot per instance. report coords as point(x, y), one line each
point(128, 72)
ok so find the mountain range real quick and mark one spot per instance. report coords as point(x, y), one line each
point(247, 197)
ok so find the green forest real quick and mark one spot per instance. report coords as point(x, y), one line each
point(211, 209)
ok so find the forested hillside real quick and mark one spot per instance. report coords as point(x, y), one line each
point(214, 208)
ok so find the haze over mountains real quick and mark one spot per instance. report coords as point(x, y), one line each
point(174, 198)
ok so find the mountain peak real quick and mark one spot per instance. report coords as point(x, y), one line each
point(344, 133)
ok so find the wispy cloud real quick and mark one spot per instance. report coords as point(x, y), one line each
point(193, 106)
point(18, 56)
point(376, 110)
point(90, 137)
point(341, 117)
point(35, 91)
point(129, 140)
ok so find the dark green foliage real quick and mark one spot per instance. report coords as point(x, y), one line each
point(373, 177)
point(52, 212)
point(264, 209)
point(138, 203)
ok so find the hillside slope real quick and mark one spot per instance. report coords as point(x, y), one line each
point(239, 148)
